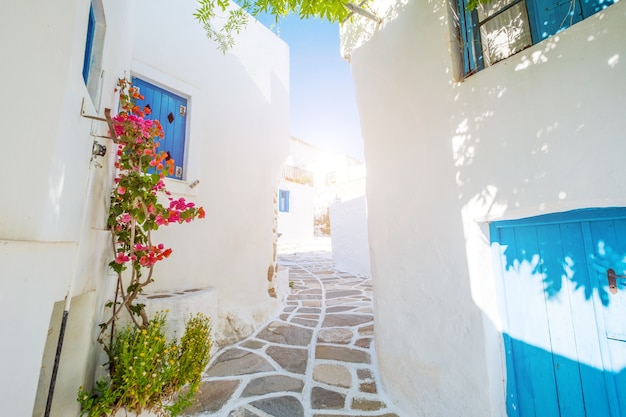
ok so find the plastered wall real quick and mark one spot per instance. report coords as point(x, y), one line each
point(539, 132)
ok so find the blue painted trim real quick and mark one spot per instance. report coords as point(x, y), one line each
point(91, 29)
point(580, 215)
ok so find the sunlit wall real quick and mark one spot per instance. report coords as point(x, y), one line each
point(539, 132)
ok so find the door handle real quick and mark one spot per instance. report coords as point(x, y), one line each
point(612, 278)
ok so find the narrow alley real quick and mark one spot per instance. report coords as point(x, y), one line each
point(316, 359)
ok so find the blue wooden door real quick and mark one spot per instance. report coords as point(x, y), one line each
point(171, 110)
point(565, 332)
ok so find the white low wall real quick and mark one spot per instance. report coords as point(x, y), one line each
point(348, 225)
point(179, 305)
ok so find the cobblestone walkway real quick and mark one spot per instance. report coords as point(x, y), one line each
point(315, 360)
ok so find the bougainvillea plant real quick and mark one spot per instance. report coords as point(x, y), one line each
point(146, 371)
point(140, 204)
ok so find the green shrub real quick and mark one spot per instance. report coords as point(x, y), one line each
point(147, 372)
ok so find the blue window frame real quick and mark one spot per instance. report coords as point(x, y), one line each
point(170, 110)
point(91, 30)
point(496, 30)
point(283, 201)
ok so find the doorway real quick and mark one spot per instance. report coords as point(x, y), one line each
point(565, 328)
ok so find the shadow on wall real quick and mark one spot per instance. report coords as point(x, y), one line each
point(522, 119)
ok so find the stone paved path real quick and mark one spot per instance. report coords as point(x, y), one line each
point(315, 360)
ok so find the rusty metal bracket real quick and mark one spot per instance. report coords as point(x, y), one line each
point(107, 119)
point(612, 277)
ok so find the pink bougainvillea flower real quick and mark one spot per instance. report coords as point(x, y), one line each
point(121, 190)
point(174, 216)
point(125, 218)
point(160, 220)
point(121, 258)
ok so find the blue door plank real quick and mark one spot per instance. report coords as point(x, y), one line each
point(506, 256)
point(528, 324)
point(560, 322)
point(536, 331)
point(609, 251)
point(592, 379)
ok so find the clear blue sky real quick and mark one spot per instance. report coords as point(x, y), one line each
point(323, 106)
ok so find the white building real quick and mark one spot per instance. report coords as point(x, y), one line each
point(314, 182)
point(495, 189)
point(350, 243)
point(55, 194)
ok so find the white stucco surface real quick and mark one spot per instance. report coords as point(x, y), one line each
point(348, 223)
point(55, 195)
point(237, 164)
point(297, 224)
point(539, 132)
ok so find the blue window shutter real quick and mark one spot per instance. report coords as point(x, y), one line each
point(170, 110)
point(551, 16)
point(470, 39)
point(283, 201)
point(590, 7)
point(91, 28)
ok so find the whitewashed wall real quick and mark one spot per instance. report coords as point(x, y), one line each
point(540, 132)
point(348, 224)
point(238, 138)
point(297, 225)
point(54, 197)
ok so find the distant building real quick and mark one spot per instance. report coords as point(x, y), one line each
point(316, 184)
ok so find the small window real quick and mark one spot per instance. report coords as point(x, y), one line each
point(94, 43)
point(498, 29)
point(283, 201)
point(171, 111)
point(91, 30)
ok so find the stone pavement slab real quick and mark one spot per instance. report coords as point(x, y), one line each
point(316, 359)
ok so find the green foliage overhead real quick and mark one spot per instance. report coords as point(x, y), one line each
point(237, 17)
point(472, 4)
